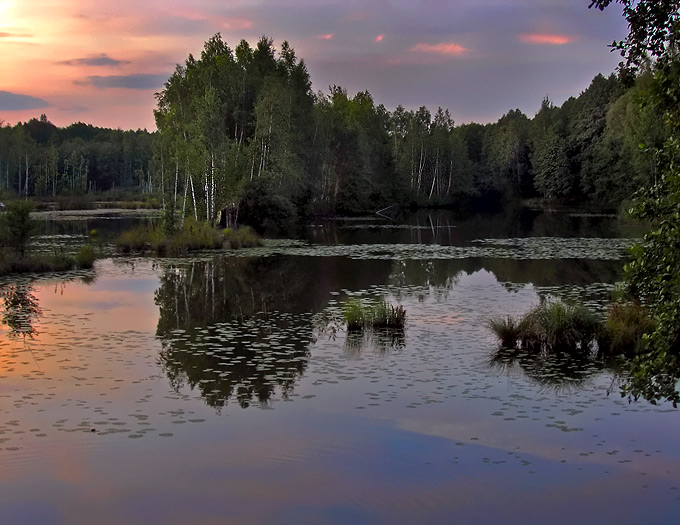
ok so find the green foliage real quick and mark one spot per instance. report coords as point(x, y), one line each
point(16, 226)
point(86, 256)
point(265, 208)
point(378, 314)
point(653, 274)
point(244, 237)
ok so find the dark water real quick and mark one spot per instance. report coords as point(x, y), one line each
point(225, 388)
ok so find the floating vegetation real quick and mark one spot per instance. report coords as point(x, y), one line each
point(551, 326)
point(249, 361)
point(533, 248)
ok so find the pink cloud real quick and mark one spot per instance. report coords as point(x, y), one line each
point(329, 36)
point(237, 23)
point(379, 38)
point(546, 39)
point(443, 48)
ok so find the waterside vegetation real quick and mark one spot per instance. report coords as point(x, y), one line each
point(17, 231)
point(558, 327)
point(193, 236)
point(375, 314)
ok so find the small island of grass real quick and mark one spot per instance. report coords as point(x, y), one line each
point(191, 236)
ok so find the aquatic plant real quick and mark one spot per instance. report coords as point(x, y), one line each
point(553, 326)
point(623, 329)
point(86, 256)
point(378, 314)
point(509, 330)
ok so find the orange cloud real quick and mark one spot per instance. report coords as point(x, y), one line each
point(379, 38)
point(329, 36)
point(546, 39)
point(443, 48)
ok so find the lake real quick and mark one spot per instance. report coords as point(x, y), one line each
point(224, 388)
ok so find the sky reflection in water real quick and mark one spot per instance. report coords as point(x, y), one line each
point(216, 389)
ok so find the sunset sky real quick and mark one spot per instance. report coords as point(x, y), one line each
point(100, 62)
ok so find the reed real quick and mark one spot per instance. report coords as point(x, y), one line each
point(623, 329)
point(551, 326)
point(378, 314)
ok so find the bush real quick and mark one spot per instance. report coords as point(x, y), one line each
point(244, 237)
point(16, 226)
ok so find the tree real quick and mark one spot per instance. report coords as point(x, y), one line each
point(653, 274)
point(16, 226)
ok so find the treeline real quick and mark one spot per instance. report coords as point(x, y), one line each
point(242, 129)
point(39, 159)
point(242, 136)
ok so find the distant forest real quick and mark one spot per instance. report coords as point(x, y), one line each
point(242, 130)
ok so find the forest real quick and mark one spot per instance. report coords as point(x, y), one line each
point(242, 136)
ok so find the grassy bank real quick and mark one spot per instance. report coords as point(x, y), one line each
point(11, 263)
point(17, 231)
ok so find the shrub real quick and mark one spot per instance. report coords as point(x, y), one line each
point(16, 226)
point(244, 237)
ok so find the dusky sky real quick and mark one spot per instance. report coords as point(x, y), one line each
point(101, 62)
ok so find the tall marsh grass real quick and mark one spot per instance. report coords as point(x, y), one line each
point(552, 326)
point(377, 314)
point(623, 329)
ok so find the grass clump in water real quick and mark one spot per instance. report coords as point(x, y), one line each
point(552, 326)
point(623, 329)
point(509, 330)
point(379, 314)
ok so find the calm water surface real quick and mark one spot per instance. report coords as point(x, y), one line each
point(225, 388)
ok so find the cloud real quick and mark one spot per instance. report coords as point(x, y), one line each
point(443, 48)
point(329, 36)
point(17, 102)
point(135, 81)
point(546, 39)
point(101, 60)
point(14, 35)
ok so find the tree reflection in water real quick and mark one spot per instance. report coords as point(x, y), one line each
point(237, 328)
point(21, 310)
